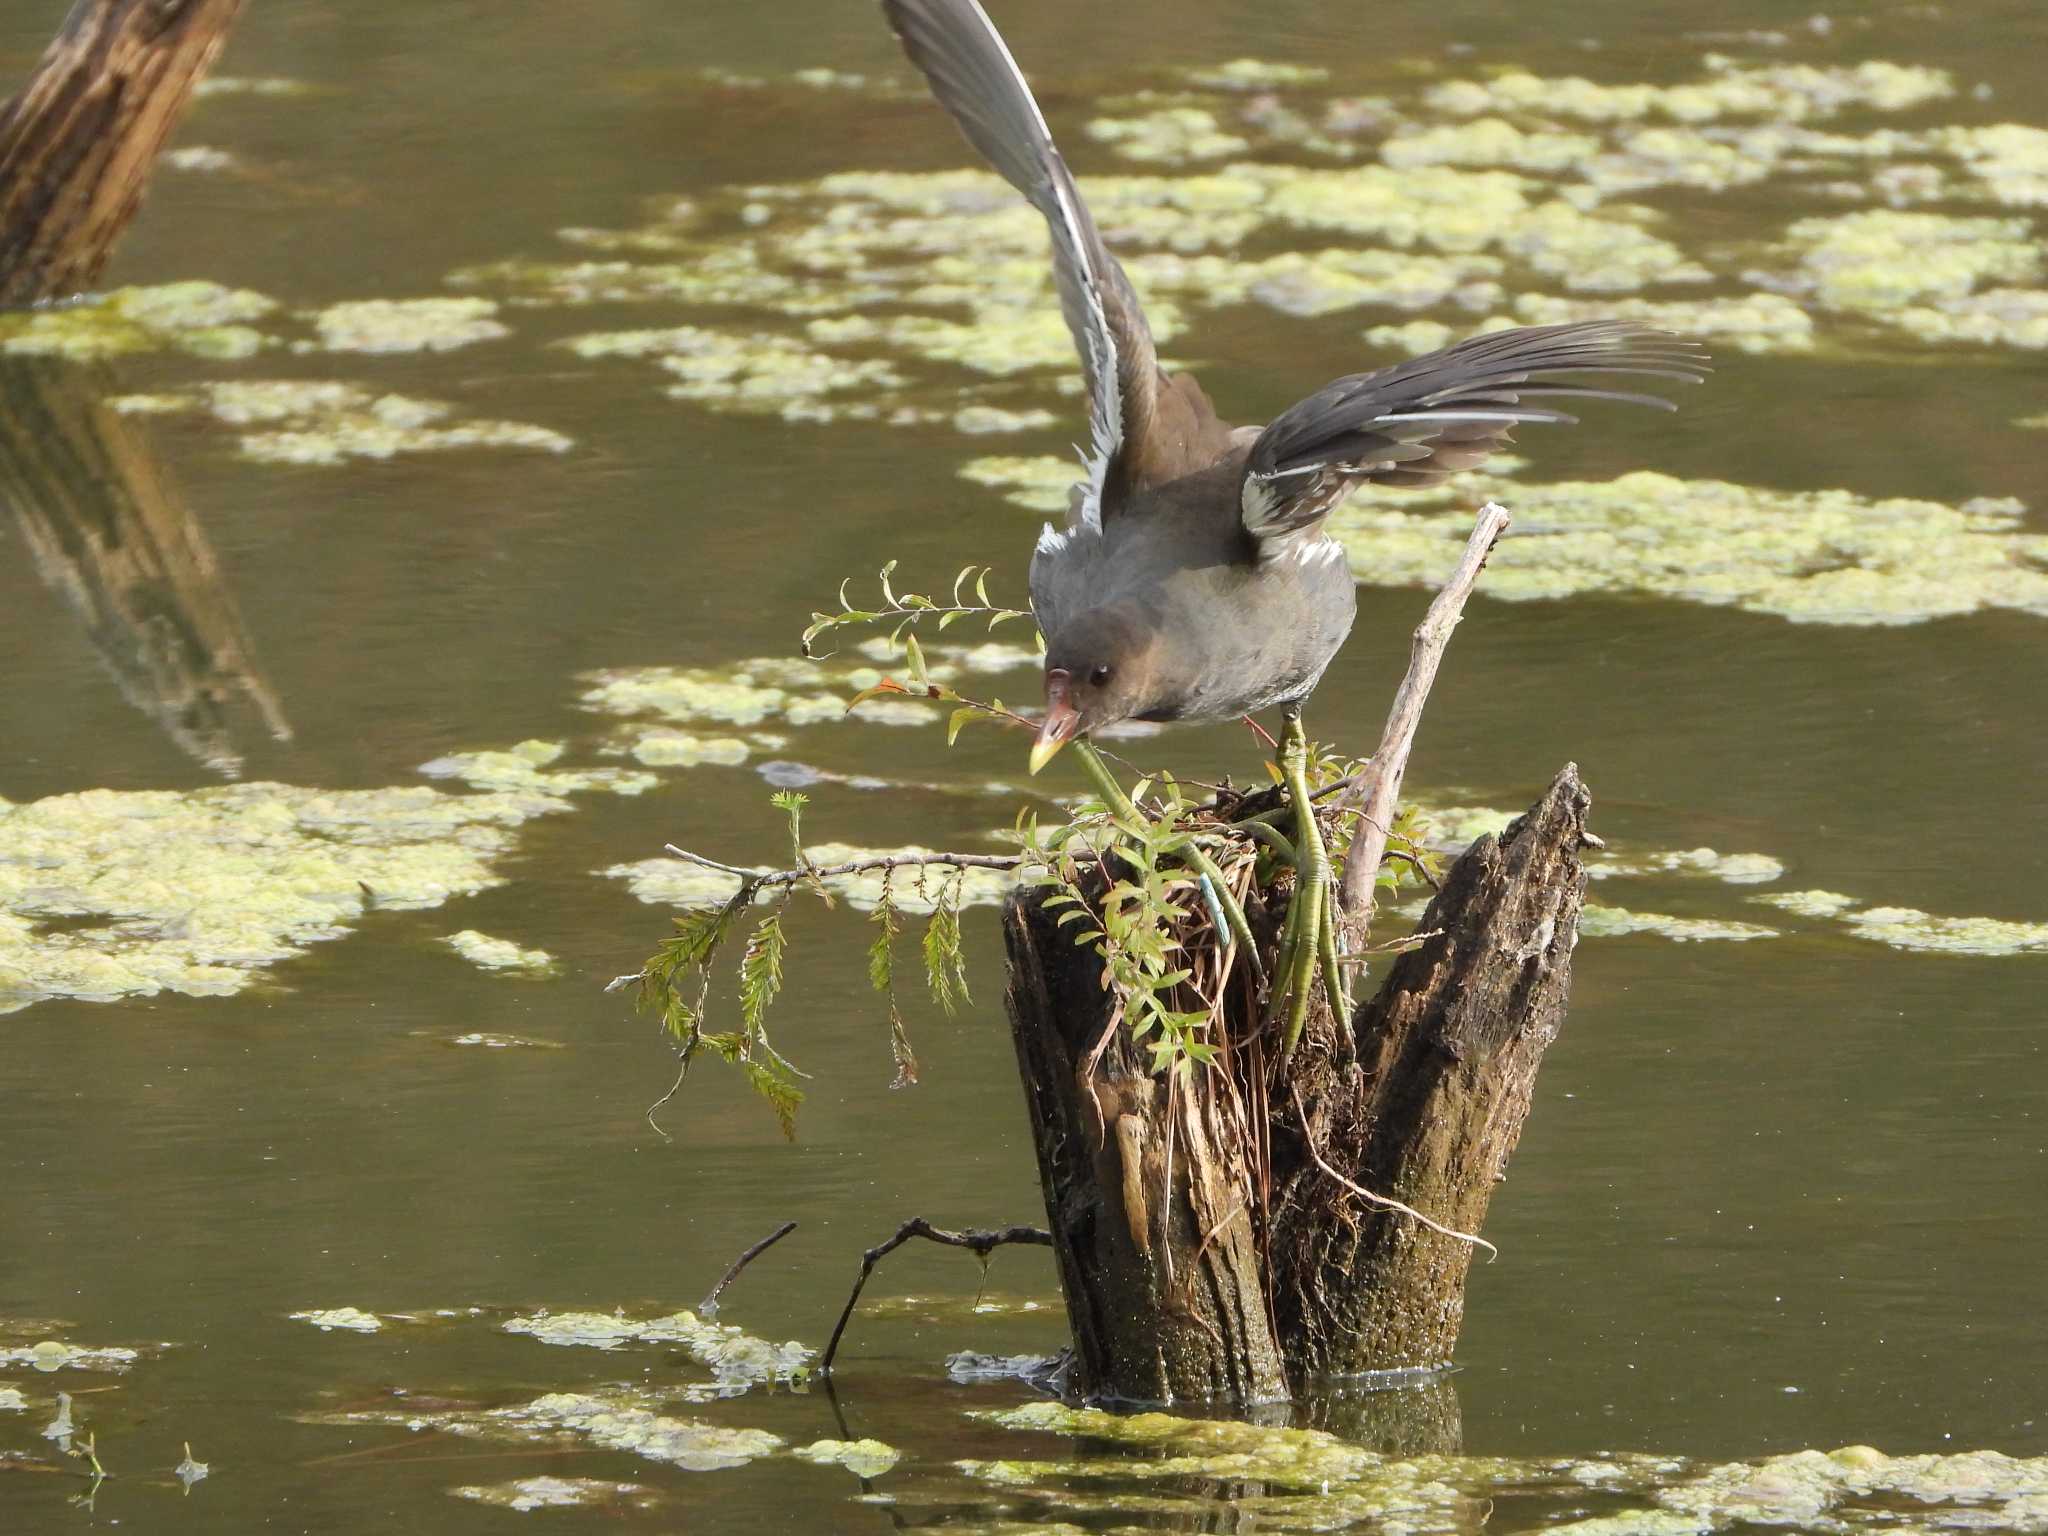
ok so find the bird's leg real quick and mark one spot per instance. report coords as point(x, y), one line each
point(1310, 939)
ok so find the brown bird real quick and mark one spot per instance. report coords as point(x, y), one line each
point(1193, 580)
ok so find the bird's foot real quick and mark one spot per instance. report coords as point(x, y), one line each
point(1309, 940)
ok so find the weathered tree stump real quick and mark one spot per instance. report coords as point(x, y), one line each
point(78, 142)
point(1232, 1237)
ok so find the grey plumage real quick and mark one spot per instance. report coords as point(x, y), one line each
point(1194, 579)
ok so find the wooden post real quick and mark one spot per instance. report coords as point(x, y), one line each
point(78, 142)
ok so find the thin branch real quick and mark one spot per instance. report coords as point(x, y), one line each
point(982, 1240)
point(708, 1308)
point(1308, 1137)
point(1379, 786)
point(762, 880)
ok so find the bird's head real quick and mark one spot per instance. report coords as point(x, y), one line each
point(1098, 671)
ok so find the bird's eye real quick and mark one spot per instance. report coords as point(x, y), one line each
point(1099, 676)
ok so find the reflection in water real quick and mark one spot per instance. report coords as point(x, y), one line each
point(111, 536)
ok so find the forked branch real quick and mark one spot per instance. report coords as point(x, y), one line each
point(981, 1240)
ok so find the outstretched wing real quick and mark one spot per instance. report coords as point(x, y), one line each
point(1418, 421)
point(975, 79)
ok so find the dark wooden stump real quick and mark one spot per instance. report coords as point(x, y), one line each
point(1219, 1239)
point(78, 142)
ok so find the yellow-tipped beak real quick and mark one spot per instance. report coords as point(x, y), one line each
point(1061, 719)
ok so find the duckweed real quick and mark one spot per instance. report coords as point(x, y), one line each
point(523, 771)
point(1788, 92)
point(491, 954)
point(736, 1359)
point(1169, 136)
point(1599, 922)
point(50, 1355)
point(201, 318)
point(325, 422)
point(1909, 928)
point(408, 325)
point(613, 1418)
point(1876, 260)
point(1755, 322)
point(1254, 75)
point(343, 1319)
point(1813, 557)
point(751, 372)
point(197, 891)
point(530, 1493)
point(863, 1458)
point(1810, 903)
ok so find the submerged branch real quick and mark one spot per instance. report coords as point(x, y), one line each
point(708, 1308)
point(981, 1240)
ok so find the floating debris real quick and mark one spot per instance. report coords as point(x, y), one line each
point(190, 1471)
point(480, 949)
point(11, 1400)
point(200, 157)
point(496, 1042)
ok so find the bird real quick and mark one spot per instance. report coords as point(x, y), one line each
point(1194, 578)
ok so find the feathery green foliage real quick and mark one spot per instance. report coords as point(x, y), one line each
point(910, 608)
point(1143, 878)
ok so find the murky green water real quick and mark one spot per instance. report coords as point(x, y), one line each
point(1776, 1194)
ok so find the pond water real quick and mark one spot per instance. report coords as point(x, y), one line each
point(1777, 1192)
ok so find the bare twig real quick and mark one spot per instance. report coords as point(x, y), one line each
point(1308, 1137)
point(708, 1308)
point(982, 1240)
point(1379, 786)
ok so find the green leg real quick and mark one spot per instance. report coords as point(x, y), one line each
point(1310, 941)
